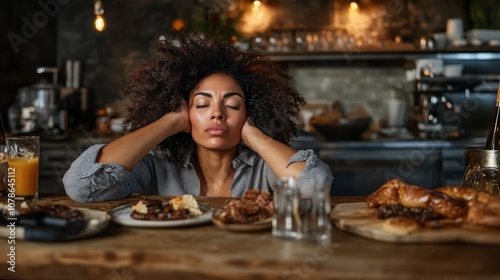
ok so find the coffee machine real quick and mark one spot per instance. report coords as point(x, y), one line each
point(48, 109)
point(457, 107)
point(37, 109)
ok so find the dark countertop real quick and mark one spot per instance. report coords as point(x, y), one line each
point(315, 142)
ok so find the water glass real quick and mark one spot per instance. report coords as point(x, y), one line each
point(483, 170)
point(301, 215)
point(315, 215)
point(286, 220)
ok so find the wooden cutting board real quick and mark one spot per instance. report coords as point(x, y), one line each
point(359, 219)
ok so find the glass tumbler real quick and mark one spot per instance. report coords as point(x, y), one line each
point(286, 219)
point(483, 170)
point(314, 211)
point(3, 170)
point(23, 152)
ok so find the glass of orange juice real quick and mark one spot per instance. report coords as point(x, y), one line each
point(3, 170)
point(23, 152)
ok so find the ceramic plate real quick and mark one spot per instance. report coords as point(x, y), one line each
point(121, 215)
point(257, 226)
point(96, 221)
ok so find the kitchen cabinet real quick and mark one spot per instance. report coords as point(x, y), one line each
point(57, 155)
point(361, 171)
point(53, 164)
point(360, 167)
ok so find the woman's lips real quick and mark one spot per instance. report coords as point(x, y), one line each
point(216, 129)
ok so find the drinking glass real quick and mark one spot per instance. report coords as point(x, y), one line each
point(312, 40)
point(287, 40)
point(483, 170)
point(23, 152)
point(3, 170)
point(300, 40)
point(286, 219)
point(314, 209)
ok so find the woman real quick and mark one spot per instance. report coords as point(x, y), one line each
point(206, 119)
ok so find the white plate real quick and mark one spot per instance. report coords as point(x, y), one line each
point(96, 222)
point(121, 215)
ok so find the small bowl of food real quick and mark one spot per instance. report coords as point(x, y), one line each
point(343, 129)
point(252, 212)
point(337, 125)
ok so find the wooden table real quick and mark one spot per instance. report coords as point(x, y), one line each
point(207, 252)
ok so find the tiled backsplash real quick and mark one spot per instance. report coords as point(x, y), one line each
point(367, 87)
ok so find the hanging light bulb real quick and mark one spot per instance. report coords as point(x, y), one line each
point(256, 5)
point(100, 22)
point(354, 7)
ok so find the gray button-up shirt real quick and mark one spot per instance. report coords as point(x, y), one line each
point(88, 181)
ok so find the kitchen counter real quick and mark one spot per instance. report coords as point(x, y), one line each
point(208, 252)
point(360, 167)
point(314, 141)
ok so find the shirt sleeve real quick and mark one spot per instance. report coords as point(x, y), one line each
point(316, 174)
point(89, 181)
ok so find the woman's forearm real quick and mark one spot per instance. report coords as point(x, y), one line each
point(129, 149)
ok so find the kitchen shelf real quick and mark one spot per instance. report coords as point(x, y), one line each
point(388, 53)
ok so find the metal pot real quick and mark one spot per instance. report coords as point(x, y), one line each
point(37, 107)
point(42, 95)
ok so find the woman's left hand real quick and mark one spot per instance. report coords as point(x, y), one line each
point(248, 134)
point(276, 154)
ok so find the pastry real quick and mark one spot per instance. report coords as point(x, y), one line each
point(254, 206)
point(396, 198)
point(178, 208)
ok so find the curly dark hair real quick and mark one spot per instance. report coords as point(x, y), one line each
point(158, 84)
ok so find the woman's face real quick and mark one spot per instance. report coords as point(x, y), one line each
point(217, 112)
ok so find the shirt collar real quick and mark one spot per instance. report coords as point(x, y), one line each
point(245, 157)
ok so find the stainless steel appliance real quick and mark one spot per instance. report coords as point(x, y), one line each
point(454, 107)
point(36, 109)
point(48, 109)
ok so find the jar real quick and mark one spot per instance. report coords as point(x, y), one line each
point(483, 170)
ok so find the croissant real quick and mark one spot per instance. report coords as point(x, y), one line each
point(484, 208)
point(474, 206)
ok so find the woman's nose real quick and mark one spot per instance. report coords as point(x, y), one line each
point(217, 114)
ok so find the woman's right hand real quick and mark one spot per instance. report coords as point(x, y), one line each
point(129, 149)
point(182, 112)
